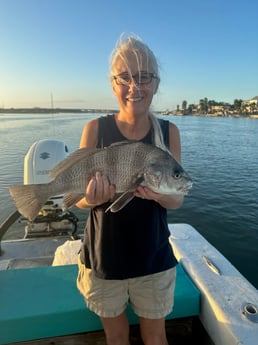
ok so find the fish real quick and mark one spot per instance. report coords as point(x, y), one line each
point(126, 164)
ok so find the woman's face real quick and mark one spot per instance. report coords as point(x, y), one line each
point(134, 95)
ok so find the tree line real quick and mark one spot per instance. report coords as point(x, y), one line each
point(210, 106)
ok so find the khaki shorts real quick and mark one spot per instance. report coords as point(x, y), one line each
point(150, 296)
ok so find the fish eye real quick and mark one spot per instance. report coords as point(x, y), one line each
point(177, 175)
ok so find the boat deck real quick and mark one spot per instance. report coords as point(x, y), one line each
point(39, 252)
point(56, 308)
point(29, 252)
point(185, 331)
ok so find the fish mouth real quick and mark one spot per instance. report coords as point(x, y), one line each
point(185, 189)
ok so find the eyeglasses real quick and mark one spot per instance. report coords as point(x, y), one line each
point(139, 78)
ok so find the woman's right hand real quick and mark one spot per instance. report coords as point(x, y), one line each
point(99, 190)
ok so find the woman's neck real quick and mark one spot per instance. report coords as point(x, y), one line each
point(134, 128)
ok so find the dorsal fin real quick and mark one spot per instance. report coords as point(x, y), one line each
point(71, 160)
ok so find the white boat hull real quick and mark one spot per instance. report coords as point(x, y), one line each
point(228, 300)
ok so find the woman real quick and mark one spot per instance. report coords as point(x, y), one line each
point(126, 256)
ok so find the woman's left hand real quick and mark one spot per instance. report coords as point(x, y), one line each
point(167, 201)
point(146, 193)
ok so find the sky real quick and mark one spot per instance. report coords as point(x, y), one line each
point(205, 48)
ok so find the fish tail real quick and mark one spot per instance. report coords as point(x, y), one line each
point(29, 199)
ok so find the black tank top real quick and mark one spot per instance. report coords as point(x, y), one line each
point(134, 241)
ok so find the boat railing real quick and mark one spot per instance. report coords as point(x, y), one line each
point(9, 221)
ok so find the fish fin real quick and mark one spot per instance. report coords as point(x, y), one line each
point(120, 202)
point(70, 199)
point(29, 199)
point(71, 160)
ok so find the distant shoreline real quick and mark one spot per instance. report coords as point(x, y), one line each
point(52, 110)
point(236, 115)
point(111, 111)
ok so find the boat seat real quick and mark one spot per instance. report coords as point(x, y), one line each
point(43, 302)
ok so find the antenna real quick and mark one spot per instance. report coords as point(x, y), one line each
point(52, 102)
point(52, 112)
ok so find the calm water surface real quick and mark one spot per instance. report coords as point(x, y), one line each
point(220, 154)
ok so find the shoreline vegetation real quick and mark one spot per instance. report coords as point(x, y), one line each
point(178, 112)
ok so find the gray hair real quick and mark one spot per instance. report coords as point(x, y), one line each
point(135, 45)
point(141, 51)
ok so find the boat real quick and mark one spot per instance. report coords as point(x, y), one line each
point(40, 304)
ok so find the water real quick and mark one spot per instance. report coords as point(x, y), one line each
point(220, 154)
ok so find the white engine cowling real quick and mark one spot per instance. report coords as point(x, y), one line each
point(42, 156)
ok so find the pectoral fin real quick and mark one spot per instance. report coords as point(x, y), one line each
point(120, 202)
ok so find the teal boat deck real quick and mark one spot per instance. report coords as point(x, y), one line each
point(43, 302)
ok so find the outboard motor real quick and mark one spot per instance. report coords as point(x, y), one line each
point(42, 156)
